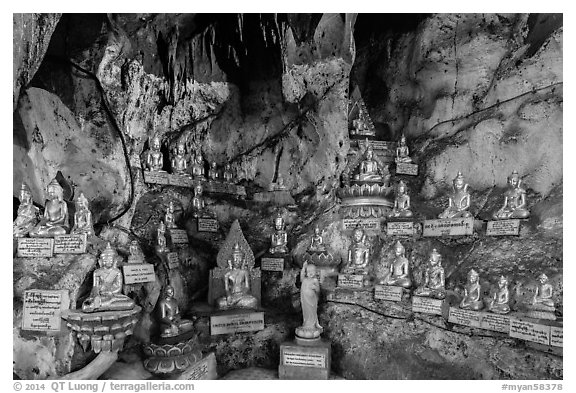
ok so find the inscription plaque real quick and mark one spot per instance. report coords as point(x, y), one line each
point(503, 228)
point(207, 225)
point(137, 273)
point(42, 309)
point(426, 305)
point(173, 260)
point(350, 281)
point(290, 358)
point(35, 247)
point(530, 331)
point(234, 323)
point(404, 168)
point(180, 181)
point(449, 227)
point(495, 322)
point(70, 244)
point(464, 317)
point(272, 264)
point(399, 228)
point(156, 178)
point(556, 336)
point(202, 369)
point(178, 236)
point(364, 223)
point(388, 292)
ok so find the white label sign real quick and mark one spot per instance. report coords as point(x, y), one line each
point(350, 281)
point(449, 227)
point(70, 244)
point(556, 336)
point(388, 292)
point(503, 228)
point(495, 322)
point(42, 310)
point(426, 305)
point(364, 223)
point(138, 273)
point(530, 331)
point(173, 260)
point(35, 247)
point(464, 317)
point(272, 264)
point(179, 236)
point(207, 225)
point(398, 228)
point(404, 168)
point(302, 359)
point(234, 323)
point(156, 177)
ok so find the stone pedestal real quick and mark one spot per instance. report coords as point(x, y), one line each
point(308, 359)
point(173, 357)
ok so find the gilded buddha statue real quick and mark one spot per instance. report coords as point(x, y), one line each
point(309, 295)
point(237, 284)
point(401, 207)
point(360, 124)
point(542, 299)
point(179, 161)
point(279, 239)
point(198, 166)
point(82, 217)
point(135, 253)
point(27, 215)
point(55, 219)
point(228, 175)
point(153, 157)
point(402, 151)
point(458, 201)
point(369, 168)
point(317, 243)
point(434, 278)
point(169, 217)
point(358, 254)
point(399, 274)
point(514, 200)
point(171, 323)
point(198, 205)
point(472, 293)
point(499, 302)
point(106, 294)
point(213, 172)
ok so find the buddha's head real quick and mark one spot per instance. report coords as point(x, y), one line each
point(514, 179)
point(181, 149)
point(171, 207)
point(155, 142)
point(435, 257)
point(358, 234)
point(543, 278)
point(311, 271)
point(458, 181)
point(108, 257)
point(502, 282)
point(472, 276)
point(199, 158)
point(237, 257)
point(198, 190)
point(402, 140)
point(401, 188)
point(161, 228)
point(213, 165)
point(134, 247)
point(54, 190)
point(169, 292)
point(317, 231)
point(25, 195)
point(81, 202)
point(399, 249)
point(369, 151)
point(227, 167)
point(279, 223)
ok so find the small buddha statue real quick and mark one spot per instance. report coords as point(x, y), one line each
point(136, 255)
point(161, 238)
point(542, 299)
point(309, 295)
point(402, 152)
point(213, 172)
point(237, 284)
point(458, 201)
point(169, 216)
point(82, 217)
point(55, 219)
point(360, 124)
point(106, 294)
point(499, 302)
point(279, 238)
point(399, 269)
point(472, 293)
point(401, 207)
point(358, 253)
point(179, 162)
point(153, 157)
point(198, 205)
point(514, 200)
point(228, 175)
point(171, 324)
point(369, 168)
point(27, 215)
point(198, 166)
point(434, 278)
point(317, 243)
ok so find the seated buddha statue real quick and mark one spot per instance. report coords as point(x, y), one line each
point(279, 239)
point(27, 215)
point(179, 162)
point(472, 293)
point(171, 324)
point(401, 202)
point(213, 172)
point(198, 166)
point(402, 152)
point(358, 254)
point(542, 299)
point(369, 168)
point(399, 269)
point(153, 157)
point(317, 243)
point(198, 205)
point(82, 217)
point(169, 216)
point(136, 255)
point(499, 302)
point(514, 200)
point(237, 284)
point(106, 294)
point(360, 124)
point(55, 219)
point(458, 201)
point(228, 175)
point(434, 278)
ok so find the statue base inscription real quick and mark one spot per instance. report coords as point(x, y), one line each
point(388, 292)
point(42, 309)
point(449, 227)
point(173, 260)
point(272, 264)
point(404, 168)
point(156, 178)
point(236, 321)
point(35, 247)
point(530, 331)
point(304, 361)
point(204, 369)
point(70, 244)
point(207, 225)
point(400, 228)
point(370, 224)
point(352, 281)
point(503, 228)
point(427, 305)
point(178, 236)
point(464, 317)
point(138, 273)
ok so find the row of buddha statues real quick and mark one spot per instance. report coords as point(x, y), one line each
point(183, 163)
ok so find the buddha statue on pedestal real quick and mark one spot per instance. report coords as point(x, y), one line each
point(360, 124)
point(82, 217)
point(309, 295)
point(237, 284)
point(228, 175)
point(198, 166)
point(279, 238)
point(434, 278)
point(179, 162)
point(514, 200)
point(171, 324)
point(213, 172)
point(499, 302)
point(106, 294)
point(153, 157)
point(369, 168)
point(358, 254)
point(402, 152)
point(55, 219)
point(472, 293)
point(317, 243)
point(169, 217)
point(401, 207)
point(27, 215)
point(399, 274)
point(459, 200)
